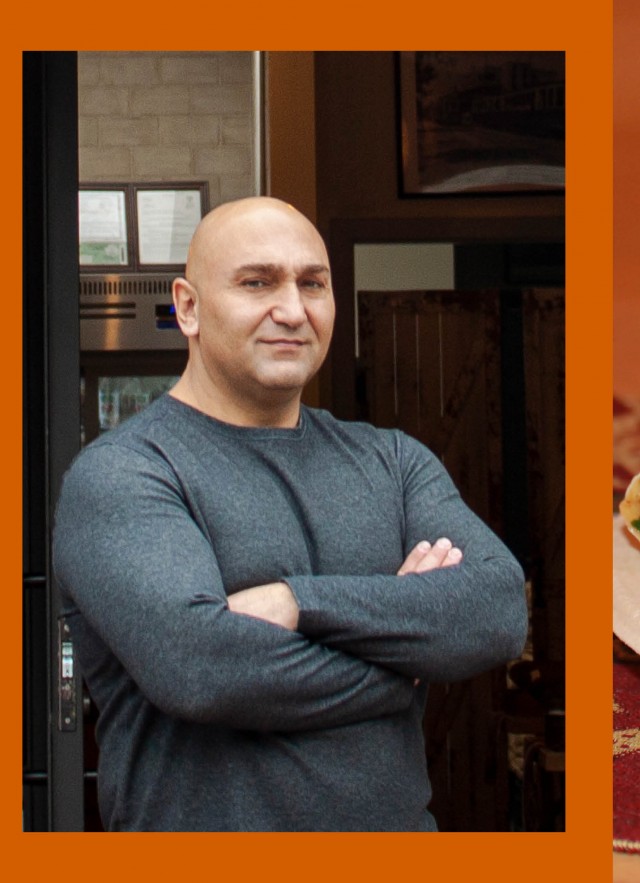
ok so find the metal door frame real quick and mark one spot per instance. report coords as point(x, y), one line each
point(53, 755)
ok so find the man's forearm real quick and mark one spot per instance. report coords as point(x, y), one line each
point(273, 602)
point(412, 633)
point(445, 625)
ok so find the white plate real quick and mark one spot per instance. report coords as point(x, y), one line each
point(626, 585)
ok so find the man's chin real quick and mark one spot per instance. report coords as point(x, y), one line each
point(284, 388)
point(286, 382)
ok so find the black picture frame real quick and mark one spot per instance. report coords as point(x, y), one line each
point(483, 123)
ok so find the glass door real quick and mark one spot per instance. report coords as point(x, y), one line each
point(117, 385)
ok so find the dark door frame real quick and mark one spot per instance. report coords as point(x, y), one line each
point(53, 756)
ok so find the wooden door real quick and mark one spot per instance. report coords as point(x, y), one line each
point(430, 364)
point(433, 364)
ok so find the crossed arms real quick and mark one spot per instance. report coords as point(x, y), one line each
point(276, 603)
point(144, 582)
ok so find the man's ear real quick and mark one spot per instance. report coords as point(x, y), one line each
point(185, 301)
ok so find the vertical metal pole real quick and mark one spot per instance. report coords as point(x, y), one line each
point(259, 143)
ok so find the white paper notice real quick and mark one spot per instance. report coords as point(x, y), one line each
point(166, 221)
point(103, 227)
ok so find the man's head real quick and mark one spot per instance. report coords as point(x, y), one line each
point(256, 305)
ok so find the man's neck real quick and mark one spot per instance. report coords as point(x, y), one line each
point(276, 410)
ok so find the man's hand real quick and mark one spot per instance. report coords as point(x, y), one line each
point(273, 602)
point(430, 557)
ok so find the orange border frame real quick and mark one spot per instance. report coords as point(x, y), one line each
point(626, 197)
point(585, 848)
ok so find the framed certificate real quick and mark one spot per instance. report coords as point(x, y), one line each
point(105, 240)
point(166, 216)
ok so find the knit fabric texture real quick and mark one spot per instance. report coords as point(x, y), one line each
point(215, 721)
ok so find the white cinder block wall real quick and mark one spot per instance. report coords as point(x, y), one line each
point(168, 116)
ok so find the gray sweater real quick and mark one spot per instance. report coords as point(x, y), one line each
point(214, 721)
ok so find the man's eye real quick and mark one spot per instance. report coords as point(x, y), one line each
point(314, 284)
point(254, 283)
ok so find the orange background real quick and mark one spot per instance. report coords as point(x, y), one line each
point(626, 359)
point(585, 849)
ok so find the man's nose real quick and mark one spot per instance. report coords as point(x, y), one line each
point(289, 308)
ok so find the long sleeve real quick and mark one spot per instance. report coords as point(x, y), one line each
point(132, 561)
point(445, 624)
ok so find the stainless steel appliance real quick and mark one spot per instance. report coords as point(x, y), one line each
point(128, 312)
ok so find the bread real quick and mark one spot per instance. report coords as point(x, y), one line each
point(630, 507)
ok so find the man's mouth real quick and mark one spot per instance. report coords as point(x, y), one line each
point(284, 342)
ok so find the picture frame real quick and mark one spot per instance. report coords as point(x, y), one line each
point(487, 123)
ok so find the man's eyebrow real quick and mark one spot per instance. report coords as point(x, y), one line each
point(277, 268)
point(315, 268)
point(258, 268)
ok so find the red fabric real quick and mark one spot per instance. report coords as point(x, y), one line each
point(626, 750)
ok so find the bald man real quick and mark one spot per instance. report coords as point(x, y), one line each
point(259, 593)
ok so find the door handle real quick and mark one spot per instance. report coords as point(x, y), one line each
point(67, 679)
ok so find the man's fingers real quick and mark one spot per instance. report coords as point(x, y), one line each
point(426, 557)
point(447, 559)
point(441, 554)
point(414, 557)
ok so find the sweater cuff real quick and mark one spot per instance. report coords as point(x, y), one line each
point(309, 613)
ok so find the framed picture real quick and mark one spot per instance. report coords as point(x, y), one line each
point(481, 122)
point(165, 217)
point(104, 213)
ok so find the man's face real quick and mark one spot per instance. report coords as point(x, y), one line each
point(265, 306)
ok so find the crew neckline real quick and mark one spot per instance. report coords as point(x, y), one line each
point(232, 429)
